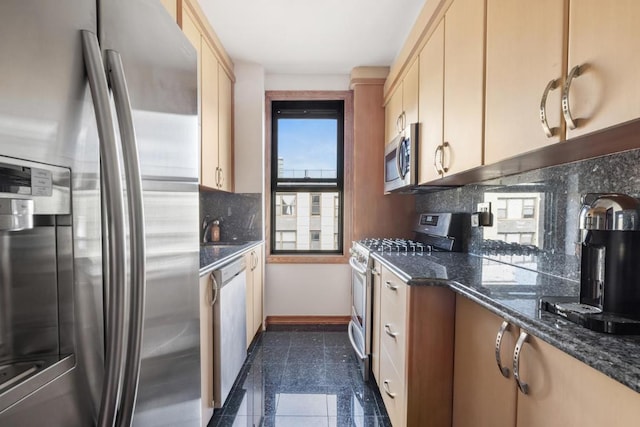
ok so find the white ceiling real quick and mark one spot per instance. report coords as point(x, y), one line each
point(312, 36)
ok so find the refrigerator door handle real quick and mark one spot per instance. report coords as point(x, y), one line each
point(131, 374)
point(113, 222)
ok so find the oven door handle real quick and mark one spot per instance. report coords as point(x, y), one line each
point(356, 267)
point(353, 342)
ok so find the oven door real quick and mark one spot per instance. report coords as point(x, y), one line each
point(360, 312)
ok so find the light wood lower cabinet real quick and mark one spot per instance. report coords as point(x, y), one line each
point(415, 335)
point(206, 348)
point(254, 291)
point(566, 392)
point(561, 390)
point(482, 395)
point(375, 330)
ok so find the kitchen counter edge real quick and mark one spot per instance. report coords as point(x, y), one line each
point(612, 355)
point(215, 262)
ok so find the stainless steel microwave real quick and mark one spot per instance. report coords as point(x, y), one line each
point(401, 161)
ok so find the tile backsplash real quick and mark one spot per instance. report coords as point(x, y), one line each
point(538, 211)
point(240, 215)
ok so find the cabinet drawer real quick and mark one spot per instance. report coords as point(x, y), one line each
point(392, 389)
point(393, 319)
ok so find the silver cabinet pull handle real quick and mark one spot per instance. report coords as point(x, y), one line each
point(214, 289)
point(446, 145)
point(221, 177)
point(549, 132)
point(399, 124)
point(133, 176)
point(435, 160)
point(385, 386)
point(387, 329)
point(503, 369)
point(114, 228)
point(524, 387)
point(404, 120)
point(566, 110)
point(217, 177)
point(390, 285)
point(375, 271)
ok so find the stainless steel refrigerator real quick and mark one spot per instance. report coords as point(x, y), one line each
point(99, 319)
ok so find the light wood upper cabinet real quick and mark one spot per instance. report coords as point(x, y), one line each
point(565, 392)
point(215, 100)
point(410, 86)
point(431, 104)
point(482, 396)
point(525, 52)
point(604, 39)
point(172, 8)
point(209, 174)
point(225, 124)
point(402, 108)
point(392, 112)
point(464, 32)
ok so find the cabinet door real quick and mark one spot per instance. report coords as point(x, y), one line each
point(392, 111)
point(605, 38)
point(476, 371)
point(375, 337)
point(525, 51)
point(172, 8)
point(464, 84)
point(248, 259)
point(258, 292)
point(410, 92)
point(431, 105)
point(565, 392)
point(206, 346)
point(225, 136)
point(209, 117)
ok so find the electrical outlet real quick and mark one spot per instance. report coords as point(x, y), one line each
point(483, 216)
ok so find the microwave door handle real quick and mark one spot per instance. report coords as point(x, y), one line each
point(113, 222)
point(131, 373)
point(398, 158)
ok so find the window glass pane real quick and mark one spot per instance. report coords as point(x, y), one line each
point(303, 229)
point(307, 148)
point(315, 204)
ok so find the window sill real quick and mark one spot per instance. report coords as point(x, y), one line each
point(307, 259)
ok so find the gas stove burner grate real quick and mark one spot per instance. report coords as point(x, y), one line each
point(396, 245)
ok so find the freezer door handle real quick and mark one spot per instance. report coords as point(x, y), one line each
point(113, 226)
point(137, 267)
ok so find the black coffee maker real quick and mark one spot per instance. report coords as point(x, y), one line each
point(610, 266)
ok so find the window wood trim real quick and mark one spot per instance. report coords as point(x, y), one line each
point(347, 97)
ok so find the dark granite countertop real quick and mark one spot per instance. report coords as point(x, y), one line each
point(215, 256)
point(512, 292)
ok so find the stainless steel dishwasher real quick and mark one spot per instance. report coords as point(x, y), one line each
point(229, 327)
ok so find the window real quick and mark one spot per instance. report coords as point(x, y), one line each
point(314, 240)
point(307, 179)
point(528, 208)
point(285, 240)
point(315, 204)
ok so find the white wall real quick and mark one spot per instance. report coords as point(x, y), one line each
point(307, 82)
point(249, 127)
point(307, 290)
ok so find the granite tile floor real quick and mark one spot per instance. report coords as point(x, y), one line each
point(301, 378)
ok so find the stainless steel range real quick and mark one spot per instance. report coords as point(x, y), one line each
point(433, 232)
